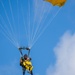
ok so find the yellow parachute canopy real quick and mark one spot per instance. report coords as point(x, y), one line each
point(57, 2)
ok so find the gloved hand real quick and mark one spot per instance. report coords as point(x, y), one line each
point(20, 48)
point(27, 48)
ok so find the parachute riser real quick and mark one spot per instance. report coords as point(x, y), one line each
point(23, 48)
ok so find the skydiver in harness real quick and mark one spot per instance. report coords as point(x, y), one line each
point(25, 61)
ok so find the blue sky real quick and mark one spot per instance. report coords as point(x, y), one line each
point(22, 23)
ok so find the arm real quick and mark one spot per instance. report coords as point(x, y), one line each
point(21, 61)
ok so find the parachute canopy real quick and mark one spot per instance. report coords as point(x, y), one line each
point(57, 2)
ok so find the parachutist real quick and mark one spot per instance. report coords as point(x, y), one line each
point(26, 64)
point(25, 61)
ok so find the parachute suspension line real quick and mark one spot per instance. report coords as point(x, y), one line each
point(40, 19)
point(7, 19)
point(16, 45)
point(28, 23)
point(25, 27)
point(15, 36)
point(7, 36)
point(18, 34)
point(32, 30)
point(4, 27)
point(14, 28)
point(39, 25)
point(11, 12)
point(43, 22)
point(34, 17)
point(45, 27)
point(52, 19)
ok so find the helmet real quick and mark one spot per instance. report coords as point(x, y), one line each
point(25, 56)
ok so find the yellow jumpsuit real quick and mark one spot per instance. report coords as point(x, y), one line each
point(28, 65)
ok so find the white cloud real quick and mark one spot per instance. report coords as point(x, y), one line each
point(65, 56)
point(10, 69)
